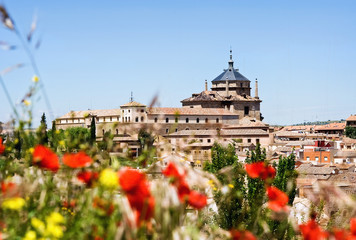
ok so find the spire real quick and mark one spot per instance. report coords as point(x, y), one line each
point(231, 62)
point(206, 85)
point(131, 98)
point(256, 89)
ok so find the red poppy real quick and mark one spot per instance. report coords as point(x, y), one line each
point(2, 147)
point(260, 170)
point(341, 234)
point(136, 187)
point(88, 177)
point(71, 204)
point(130, 178)
point(45, 158)
point(77, 160)
point(172, 171)
point(7, 187)
point(197, 200)
point(104, 205)
point(277, 199)
point(353, 226)
point(241, 235)
point(312, 231)
point(183, 191)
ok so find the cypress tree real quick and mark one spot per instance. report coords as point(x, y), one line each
point(42, 131)
point(92, 131)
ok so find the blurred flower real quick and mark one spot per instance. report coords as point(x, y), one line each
point(173, 172)
point(108, 178)
point(55, 218)
point(54, 230)
point(26, 102)
point(77, 160)
point(15, 203)
point(136, 187)
point(277, 199)
point(88, 177)
point(61, 142)
point(2, 147)
point(312, 231)
point(45, 158)
point(35, 78)
point(38, 225)
point(30, 235)
point(260, 170)
point(7, 187)
point(197, 200)
point(242, 235)
point(231, 186)
point(104, 205)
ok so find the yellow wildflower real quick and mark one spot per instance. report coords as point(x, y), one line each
point(31, 150)
point(35, 78)
point(108, 178)
point(54, 230)
point(30, 235)
point(57, 131)
point(215, 189)
point(15, 203)
point(198, 162)
point(55, 218)
point(231, 186)
point(61, 143)
point(38, 224)
point(26, 102)
point(16, 141)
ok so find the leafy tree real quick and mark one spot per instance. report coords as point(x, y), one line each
point(42, 131)
point(230, 205)
point(92, 131)
point(255, 192)
point(350, 132)
point(285, 180)
point(147, 151)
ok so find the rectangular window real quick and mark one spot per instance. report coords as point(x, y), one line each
point(325, 159)
point(308, 158)
point(316, 158)
point(246, 110)
point(249, 140)
point(257, 140)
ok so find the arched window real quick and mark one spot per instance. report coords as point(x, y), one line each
point(103, 132)
point(187, 120)
point(117, 131)
point(142, 119)
point(167, 120)
point(136, 120)
point(197, 120)
point(110, 119)
point(217, 120)
point(176, 119)
point(206, 120)
point(176, 129)
point(156, 120)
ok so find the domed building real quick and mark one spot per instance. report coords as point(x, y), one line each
point(230, 90)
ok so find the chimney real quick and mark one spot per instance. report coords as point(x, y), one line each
point(256, 89)
point(206, 85)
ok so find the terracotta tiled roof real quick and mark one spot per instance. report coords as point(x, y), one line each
point(222, 133)
point(331, 126)
point(247, 122)
point(351, 118)
point(347, 153)
point(99, 113)
point(298, 128)
point(309, 169)
point(348, 140)
point(190, 111)
point(133, 104)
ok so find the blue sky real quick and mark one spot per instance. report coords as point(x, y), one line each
point(94, 53)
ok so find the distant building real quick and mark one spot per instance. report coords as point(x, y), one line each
point(226, 114)
point(351, 121)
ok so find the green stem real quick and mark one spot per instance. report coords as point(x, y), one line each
point(8, 97)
